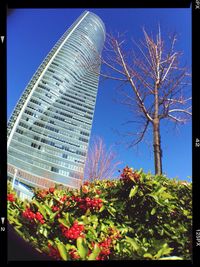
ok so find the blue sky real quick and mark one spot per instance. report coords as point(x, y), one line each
point(33, 32)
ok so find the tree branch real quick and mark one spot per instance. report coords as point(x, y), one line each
point(176, 119)
point(181, 110)
point(132, 84)
point(141, 135)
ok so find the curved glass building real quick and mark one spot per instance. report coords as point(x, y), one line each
point(49, 129)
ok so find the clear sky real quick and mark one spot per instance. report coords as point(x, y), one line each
point(33, 32)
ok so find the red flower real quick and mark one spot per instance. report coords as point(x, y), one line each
point(11, 197)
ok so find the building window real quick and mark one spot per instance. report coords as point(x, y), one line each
point(53, 169)
point(19, 131)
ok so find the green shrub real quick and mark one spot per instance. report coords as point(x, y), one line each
point(137, 217)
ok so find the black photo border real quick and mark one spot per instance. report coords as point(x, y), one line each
point(7, 232)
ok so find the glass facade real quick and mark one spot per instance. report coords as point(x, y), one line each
point(49, 129)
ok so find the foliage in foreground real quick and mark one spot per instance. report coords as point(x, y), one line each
point(137, 217)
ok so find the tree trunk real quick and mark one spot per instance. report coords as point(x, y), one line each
point(157, 147)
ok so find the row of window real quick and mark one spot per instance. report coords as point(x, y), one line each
point(57, 145)
point(69, 116)
point(76, 46)
point(83, 90)
point(57, 137)
point(74, 129)
point(34, 180)
point(41, 96)
point(42, 165)
point(24, 148)
point(47, 149)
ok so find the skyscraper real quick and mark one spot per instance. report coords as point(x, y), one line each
point(49, 129)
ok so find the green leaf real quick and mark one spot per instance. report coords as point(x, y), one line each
point(40, 208)
point(148, 255)
point(62, 250)
point(153, 211)
point(157, 200)
point(102, 208)
point(92, 232)
point(68, 218)
point(161, 190)
point(166, 195)
point(133, 191)
point(19, 232)
point(94, 253)
point(48, 210)
point(186, 212)
point(103, 227)
point(112, 211)
point(133, 243)
point(44, 231)
point(82, 247)
point(171, 258)
point(53, 215)
point(12, 220)
point(64, 222)
point(85, 219)
point(165, 250)
point(93, 218)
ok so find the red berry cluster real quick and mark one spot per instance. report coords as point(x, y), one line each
point(128, 175)
point(53, 252)
point(55, 208)
point(11, 197)
point(110, 184)
point(98, 192)
point(114, 233)
point(28, 214)
point(74, 254)
point(73, 232)
point(95, 203)
point(63, 199)
point(42, 193)
point(86, 183)
point(51, 190)
point(91, 203)
point(107, 244)
point(105, 249)
point(39, 217)
point(85, 189)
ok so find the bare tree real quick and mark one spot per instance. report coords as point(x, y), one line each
point(101, 162)
point(153, 84)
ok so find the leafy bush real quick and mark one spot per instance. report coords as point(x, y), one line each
point(137, 217)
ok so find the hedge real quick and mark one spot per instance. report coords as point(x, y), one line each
point(137, 217)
